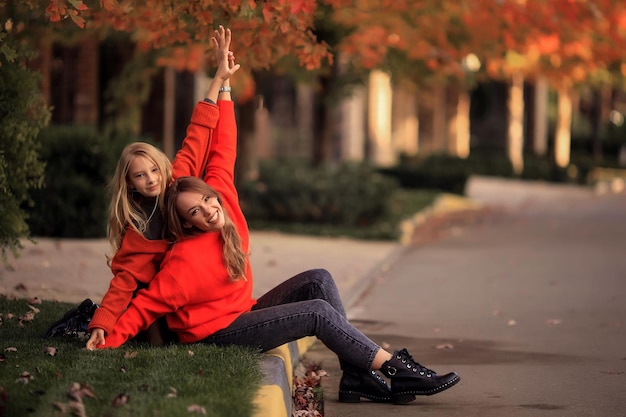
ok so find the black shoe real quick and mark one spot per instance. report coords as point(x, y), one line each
point(75, 322)
point(409, 378)
point(358, 383)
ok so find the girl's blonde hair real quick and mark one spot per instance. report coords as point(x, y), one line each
point(124, 211)
point(234, 256)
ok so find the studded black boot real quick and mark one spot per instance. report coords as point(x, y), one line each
point(409, 378)
point(359, 383)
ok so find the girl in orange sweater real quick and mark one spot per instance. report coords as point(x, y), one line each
point(204, 289)
point(136, 213)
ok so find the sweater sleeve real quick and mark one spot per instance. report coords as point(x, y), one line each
point(220, 172)
point(191, 159)
point(136, 261)
point(163, 296)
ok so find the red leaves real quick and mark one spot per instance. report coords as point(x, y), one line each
point(306, 401)
point(58, 10)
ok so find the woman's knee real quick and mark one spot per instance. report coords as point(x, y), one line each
point(322, 276)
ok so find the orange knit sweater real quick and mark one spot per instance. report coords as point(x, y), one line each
point(192, 288)
point(138, 258)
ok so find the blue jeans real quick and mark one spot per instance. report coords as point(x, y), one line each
point(307, 304)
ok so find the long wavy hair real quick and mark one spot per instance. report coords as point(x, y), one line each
point(234, 256)
point(124, 210)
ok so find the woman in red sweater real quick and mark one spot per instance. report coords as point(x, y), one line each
point(204, 289)
point(136, 212)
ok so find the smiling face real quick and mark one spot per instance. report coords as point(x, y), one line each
point(200, 210)
point(144, 176)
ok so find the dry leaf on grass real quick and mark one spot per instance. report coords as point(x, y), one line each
point(120, 400)
point(194, 408)
point(11, 349)
point(78, 391)
point(50, 350)
point(172, 393)
point(130, 355)
point(24, 378)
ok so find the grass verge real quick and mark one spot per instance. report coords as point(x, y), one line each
point(135, 380)
point(405, 203)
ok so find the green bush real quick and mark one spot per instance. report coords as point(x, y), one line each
point(439, 172)
point(74, 201)
point(22, 114)
point(290, 191)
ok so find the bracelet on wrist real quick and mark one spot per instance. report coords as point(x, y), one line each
point(225, 89)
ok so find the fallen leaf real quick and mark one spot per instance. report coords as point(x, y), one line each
point(190, 353)
point(123, 369)
point(24, 378)
point(49, 350)
point(172, 393)
point(120, 400)
point(130, 355)
point(445, 346)
point(11, 349)
point(27, 317)
point(194, 408)
point(78, 391)
point(34, 309)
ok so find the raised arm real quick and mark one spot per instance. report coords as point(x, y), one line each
point(192, 158)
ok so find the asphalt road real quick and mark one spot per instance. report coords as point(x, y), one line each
point(527, 303)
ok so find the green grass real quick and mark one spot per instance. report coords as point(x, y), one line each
point(223, 381)
point(405, 203)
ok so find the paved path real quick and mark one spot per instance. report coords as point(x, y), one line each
point(74, 269)
point(527, 305)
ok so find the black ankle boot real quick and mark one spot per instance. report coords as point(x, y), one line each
point(409, 378)
point(356, 383)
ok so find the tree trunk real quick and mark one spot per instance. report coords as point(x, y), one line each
point(515, 143)
point(169, 108)
point(459, 127)
point(405, 123)
point(599, 117)
point(563, 134)
point(379, 119)
point(540, 118)
point(352, 126)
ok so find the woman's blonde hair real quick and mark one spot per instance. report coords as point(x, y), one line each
point(234, 256)
point(124, 211)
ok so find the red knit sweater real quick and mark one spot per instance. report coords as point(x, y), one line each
point(137, 260)
point(192, 288)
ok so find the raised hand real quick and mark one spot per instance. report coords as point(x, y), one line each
point(225, 58)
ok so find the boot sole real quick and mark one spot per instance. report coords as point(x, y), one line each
point(406, 397)
point(355, 397)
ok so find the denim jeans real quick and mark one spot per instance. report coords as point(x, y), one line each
point(307, 304)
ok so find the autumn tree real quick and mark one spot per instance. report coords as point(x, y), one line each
point(171, 33)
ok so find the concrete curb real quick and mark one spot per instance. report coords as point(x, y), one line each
point(444, 204)
point(275, 397)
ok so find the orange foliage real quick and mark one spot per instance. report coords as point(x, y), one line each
point(265, 31)
point(566, 40)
